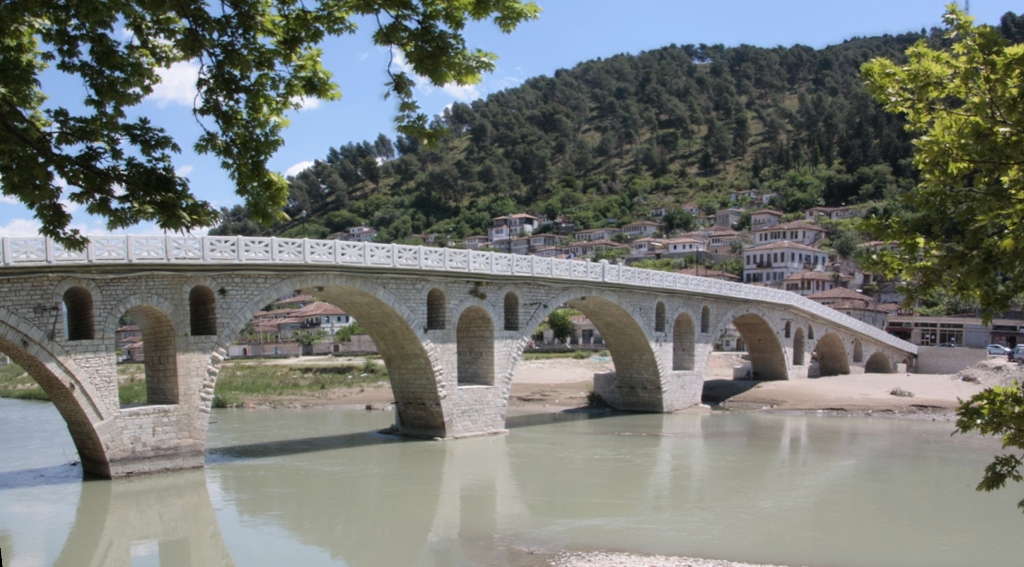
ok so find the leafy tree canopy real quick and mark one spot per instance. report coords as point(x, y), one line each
point(257, 61)
point(961, 228)
point(560, 322)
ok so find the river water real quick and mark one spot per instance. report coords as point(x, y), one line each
point(320, 487)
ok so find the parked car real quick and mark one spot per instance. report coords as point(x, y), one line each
point(998, 350)
point(1018, 354)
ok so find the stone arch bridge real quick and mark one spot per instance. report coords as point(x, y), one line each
point(450, 325)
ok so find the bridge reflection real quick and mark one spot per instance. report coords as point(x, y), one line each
point(612, 480)
point(155, 520)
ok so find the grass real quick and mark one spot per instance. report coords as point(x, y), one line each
point(238, 382)
point(576, 354)
point(131, 383)
point(15, 383)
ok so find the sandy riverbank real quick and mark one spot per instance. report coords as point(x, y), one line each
point(562, 383)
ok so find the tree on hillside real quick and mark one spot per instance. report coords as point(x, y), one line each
point(677, 219)
point(962, 228)
point(256, 62)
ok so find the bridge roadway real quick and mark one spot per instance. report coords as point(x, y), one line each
point(450, 325)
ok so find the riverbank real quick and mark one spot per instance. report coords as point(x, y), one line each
point(527, 558)
point(557, 384)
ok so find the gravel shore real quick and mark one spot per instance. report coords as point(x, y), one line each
point(606, 559)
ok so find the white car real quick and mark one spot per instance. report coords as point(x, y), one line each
point(1018, 354)
point(998, 349)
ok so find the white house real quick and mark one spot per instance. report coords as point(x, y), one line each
point(772, 263)
point(644, 246)
point(737, 195)
point(504, 228)
point(361, 234)
point(765, 218)
point(832, 213)
point(796, 231)
point(596, 233)
point(641, 229)
point(685, 245)
point(540, 241)
point(728, 217)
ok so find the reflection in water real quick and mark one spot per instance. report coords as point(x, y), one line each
point(320, 487)
point(164, 520)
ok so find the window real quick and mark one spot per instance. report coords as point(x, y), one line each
point(78, 309)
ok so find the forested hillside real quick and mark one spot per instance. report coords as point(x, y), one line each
point(614, 138)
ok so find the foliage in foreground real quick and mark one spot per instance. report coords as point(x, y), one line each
point(961, 229)
point(997, 411)
point(255, 62)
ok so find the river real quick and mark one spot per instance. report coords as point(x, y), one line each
point(321, 487)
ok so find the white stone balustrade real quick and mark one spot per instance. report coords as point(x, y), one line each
point(226, 250)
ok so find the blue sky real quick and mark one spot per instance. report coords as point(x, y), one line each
point(568, 32)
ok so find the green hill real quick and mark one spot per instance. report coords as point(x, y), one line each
point(613, 138)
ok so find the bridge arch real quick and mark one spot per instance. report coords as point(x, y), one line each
point(767, 355)
point(878, 363)
point(637, 371)
point(831, 354)
point(684, 341)
point(161, 354)
point(475, 339)
point(511, 318)
point(799, 349)
point(437, 305)
point(78, 308)
point(202, 311)
point(401, 337)
point(638, 374)
point(77, 298)
point(64, 382)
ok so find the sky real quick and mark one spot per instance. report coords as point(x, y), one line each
point(568, 32)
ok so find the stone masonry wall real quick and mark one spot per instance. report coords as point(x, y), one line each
point(424, 357)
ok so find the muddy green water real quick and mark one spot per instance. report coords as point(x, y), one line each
point(319, 487)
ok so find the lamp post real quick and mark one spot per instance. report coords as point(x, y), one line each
point(304, 215)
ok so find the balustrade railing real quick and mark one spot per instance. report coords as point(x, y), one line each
point(39, 251)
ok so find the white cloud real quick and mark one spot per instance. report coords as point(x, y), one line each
point(21, 227)
point(297, 168)
point(306, 102)
point(183, 171)
point(9, 200)
point(69, 206)
point(177, 85)
point(464, 93)
point(503, 83)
